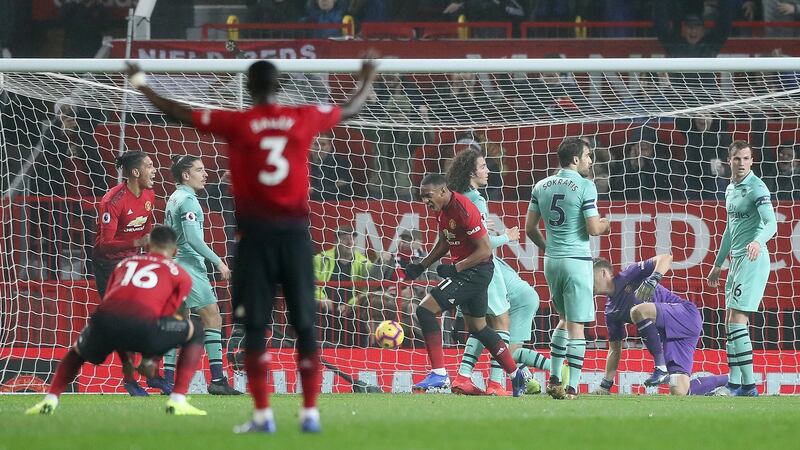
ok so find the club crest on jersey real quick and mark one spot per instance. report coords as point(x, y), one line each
point(452, 224)
point(190, 216)
point(148, 206)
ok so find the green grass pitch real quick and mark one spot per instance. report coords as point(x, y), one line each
point(368, 421)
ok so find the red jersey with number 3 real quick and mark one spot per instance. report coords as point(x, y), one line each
point(269, 150)
point(461, 223)
point(147, 287)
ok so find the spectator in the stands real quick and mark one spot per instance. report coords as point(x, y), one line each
point(555, 94)
point(780, 11)
point(374, 10)
point(707, 170)
point(395, 101)
point(785, 184)
point(687, 37)
point(330, 172)
point(69, 163)
point(326, 12)
point(464, 99)
point(274, 11)
point(490, 11)
point(341, 265)
point(642, 175)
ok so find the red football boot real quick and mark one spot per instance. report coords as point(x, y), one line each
point(463, 385)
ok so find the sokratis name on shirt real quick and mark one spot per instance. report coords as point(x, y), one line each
point(561, 182)
point(271, 123)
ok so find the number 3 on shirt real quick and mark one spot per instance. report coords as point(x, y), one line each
point(274, 145)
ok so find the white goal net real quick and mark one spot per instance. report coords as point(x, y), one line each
point(659, 130)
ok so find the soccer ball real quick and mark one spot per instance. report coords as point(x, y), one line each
point(389, 334)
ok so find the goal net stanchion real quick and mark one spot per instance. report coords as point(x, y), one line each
point(658, 128)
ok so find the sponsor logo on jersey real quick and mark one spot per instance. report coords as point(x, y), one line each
point(474, 230)
point(136, 224)
point(130, 211)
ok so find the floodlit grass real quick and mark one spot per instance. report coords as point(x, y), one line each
point(369, 421)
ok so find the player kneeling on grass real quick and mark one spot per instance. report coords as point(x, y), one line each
point(465, 283)
point(137, 315)
point(668, 325)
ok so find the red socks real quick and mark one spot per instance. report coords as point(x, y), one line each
point(256, 364)
point(66, 372)
point(188, 359)
point(310, 377)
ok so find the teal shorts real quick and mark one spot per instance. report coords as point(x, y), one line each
point(202, 294)
point(571, 287)
point(498, 294)
point(744, 288)
point(524, 302)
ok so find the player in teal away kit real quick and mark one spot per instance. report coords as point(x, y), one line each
point(512, 301)
point(566, 202)
point(185, 216)
point(751, 223)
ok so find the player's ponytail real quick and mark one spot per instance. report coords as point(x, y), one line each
point(180, 164)
point(462, 170)
point(132, 159)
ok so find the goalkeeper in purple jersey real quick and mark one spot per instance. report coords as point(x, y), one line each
point(669, 325)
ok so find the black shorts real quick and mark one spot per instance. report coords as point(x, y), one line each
point(468, 289)
point(102, 272)
point(268, 255)
point(106, 333)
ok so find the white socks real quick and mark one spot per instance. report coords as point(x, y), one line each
point(262, 415)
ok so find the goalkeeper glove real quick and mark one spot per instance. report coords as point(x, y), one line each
point(413, 271)
point(446, 270)
point(645, 291)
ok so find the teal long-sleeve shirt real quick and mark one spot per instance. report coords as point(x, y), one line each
point(751, 217)
point(185, 216)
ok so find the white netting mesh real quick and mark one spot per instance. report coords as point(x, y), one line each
point(660, 147)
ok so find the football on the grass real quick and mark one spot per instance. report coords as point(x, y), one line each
point(389, 334)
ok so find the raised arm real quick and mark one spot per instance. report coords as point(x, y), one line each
point(353, 105)
point(169, 107)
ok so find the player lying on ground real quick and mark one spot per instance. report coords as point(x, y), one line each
point(669, 326)
point(185, 216)
point(137, 315)
point(269, 146)
point(462, 233)
point(512, 301)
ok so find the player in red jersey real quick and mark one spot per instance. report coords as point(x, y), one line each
point(125, 217)
point(465, 282)
point(269, 150)
point(138, 315)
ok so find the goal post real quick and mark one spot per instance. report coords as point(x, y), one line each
point(658, 128)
